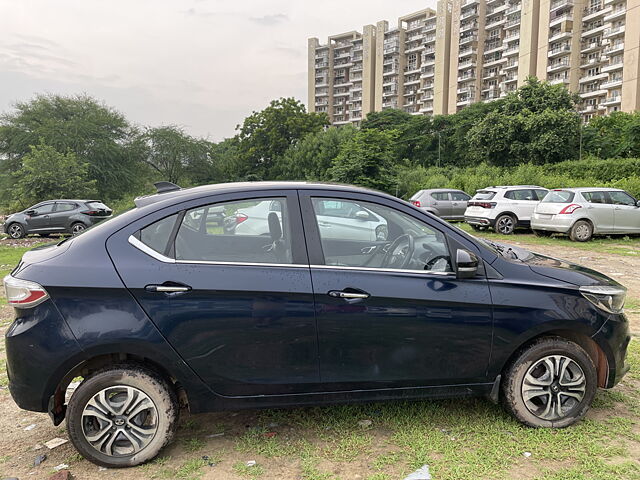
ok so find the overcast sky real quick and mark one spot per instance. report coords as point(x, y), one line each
point(200, 64)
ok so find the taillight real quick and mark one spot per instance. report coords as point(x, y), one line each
point(23, 293)
point(416, 202)
point(482, 204)
point(241, 217)
point(569, 209)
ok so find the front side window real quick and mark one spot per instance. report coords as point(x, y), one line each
point(621, 198)
point(245, 231)
point(459, 197)
point(42, 209)
point(376, 236)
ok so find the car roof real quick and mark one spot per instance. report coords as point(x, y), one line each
point(505, 187)
point(66, 200)
point(590, 189)
point(184, 194)
point(435, 190)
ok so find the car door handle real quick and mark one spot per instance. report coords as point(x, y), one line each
point(167, 288)
point(347, 295)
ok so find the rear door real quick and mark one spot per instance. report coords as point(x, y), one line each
point(237, 308)
point(600, 210)
point(441, 201)
point(522, 202)
point(383, 324)
point(626, 213)
point(60, 216)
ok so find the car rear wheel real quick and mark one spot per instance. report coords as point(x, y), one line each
point(122, 416)
point(541, 233)
point(550, 384)
point(77, 228)
point(582, 231)
point(16, 231)
point(505, 224)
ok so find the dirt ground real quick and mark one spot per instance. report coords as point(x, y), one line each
point(223, 437)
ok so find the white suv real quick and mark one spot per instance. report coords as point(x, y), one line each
point(503, 208)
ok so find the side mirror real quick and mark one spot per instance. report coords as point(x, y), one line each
point(30, 212)
point(362, 215)
point(466, 264)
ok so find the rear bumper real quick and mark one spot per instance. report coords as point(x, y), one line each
point(480, 221)
point(557, 223)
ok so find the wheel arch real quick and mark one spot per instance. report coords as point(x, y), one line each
point(595, 351)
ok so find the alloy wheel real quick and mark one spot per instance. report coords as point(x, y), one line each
point(15, 231)
point(119, 420)
point(77, 228)
point(505, 225)
point(553, 386)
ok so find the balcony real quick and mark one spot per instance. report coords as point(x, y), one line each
point(590, 46)
point(413, 68)
point(560, 3)
point(468, 90)
point(592, 30)
point(562, 50)
point(591, 13)
point(466, 78)
point(593, 77)
point(495, 22)
point(413, 81)
point(556, 37)
point(595, 92)
point(514, 9)
point(558, 81)
point(468, 27)
point(322, 65)
point(564, 17)
point(590, 62)
point(468, 39)
point(469, 14)
point(613, 49)
point(558, 66)
point(512, 23)
point(466, 100)
point(614, 32)
point(466, 3)
point(467, 63)
point(612, 100)
point(511, 65)
point(465, 52)
point(612, 83)
point(612, 67)
point(615, 15)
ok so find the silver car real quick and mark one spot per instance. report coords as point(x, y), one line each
point(444, 203)
point(584, 212)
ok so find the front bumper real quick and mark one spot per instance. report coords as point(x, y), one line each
point(614, 338)
point(480, 221)
point(551, 223)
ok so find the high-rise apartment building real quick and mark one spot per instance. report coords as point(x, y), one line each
point(468, 51)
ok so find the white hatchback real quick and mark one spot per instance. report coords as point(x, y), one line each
point(584, 212)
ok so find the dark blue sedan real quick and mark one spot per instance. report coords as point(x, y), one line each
point(335, 294)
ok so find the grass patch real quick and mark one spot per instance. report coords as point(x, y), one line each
point(244, 470)
point(10, 257)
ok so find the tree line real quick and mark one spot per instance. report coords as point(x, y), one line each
point(75, 146)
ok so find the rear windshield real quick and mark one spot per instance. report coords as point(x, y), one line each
point(484, 195)
point(98, 205)
point(417, 195)
point(558, 196)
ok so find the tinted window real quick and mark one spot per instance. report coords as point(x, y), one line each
point(98, 206)
point(387, 239)
point(484, 195)
point(621, 198)
point(417, 195)
point(340, 209)
point(157, 234)
point(253, 231)
point(559, 196)
point(595, 197)
point(459, 197)
point(520, 195)
point(541, 194)
point(65, 207)
point(440, 196)
point(42, 209)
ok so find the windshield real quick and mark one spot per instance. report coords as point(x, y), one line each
point(484, 195)
point(558, 196)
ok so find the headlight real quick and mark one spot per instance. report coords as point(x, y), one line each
point(607, 298)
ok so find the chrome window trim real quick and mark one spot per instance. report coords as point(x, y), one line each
point(383, 270)
point(149, 251)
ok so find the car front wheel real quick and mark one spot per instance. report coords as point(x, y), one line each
point(16, 231)
point(550, 384)
point(122, 416)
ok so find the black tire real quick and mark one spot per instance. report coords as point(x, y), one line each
point(119, 377)
point(44, 235)
point(528, 362)
point(541, 233)
point(16, 231)
point(505, 224)
point(77, 228)
point(581, 231)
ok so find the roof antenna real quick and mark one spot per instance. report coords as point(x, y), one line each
point(164, 187)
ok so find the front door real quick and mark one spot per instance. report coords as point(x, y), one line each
point(237, 307)
point(626, 213)
point(393, 313)
point(40, 219)
point(458, 204)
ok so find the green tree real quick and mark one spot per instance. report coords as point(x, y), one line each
point(47, 174)
point(311, 157)
point(95, 133)
point(174, 154)
point(265, 136)
point(368, 160)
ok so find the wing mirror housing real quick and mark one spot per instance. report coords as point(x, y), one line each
point(30, 212)
point(466, 263)
point(362, 215)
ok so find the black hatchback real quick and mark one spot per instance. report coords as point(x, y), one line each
point(322, 294)
point(56, 216)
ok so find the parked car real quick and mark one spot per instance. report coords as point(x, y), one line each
point(503, 208)
point(167, 313)
point(56, 216)
point(584, 212)
point(443, 203)
point(335, 220)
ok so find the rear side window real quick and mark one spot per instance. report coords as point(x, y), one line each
point(520, 195)
point(559, 196)
point(459, 197)
point(440, 196)
point(252, 231)
point(484, 195)
point(595, 197)
point(65, 207)
point(158, 234)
